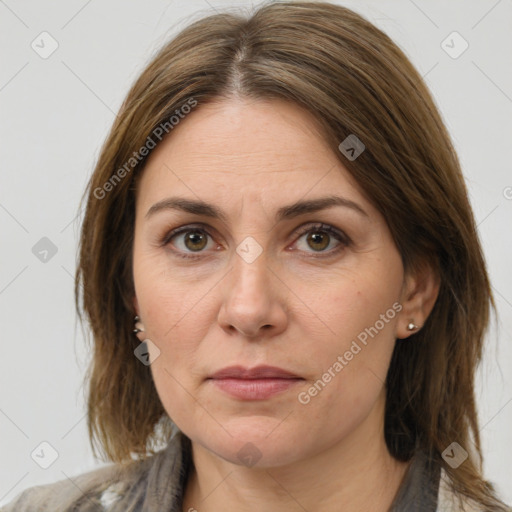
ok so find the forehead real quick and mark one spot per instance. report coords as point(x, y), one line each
point(259, 151)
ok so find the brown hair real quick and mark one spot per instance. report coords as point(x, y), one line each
point(354, 80)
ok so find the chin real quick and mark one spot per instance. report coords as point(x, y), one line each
point(256, 442)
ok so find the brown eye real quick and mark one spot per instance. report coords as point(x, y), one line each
point(322, 239)
point(195, 240)
point(188, 240)
point(318, 240)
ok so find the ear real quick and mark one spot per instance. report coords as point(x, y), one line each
point(419, 294)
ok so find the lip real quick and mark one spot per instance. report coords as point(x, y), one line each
point(259, 372)
point(259, 383)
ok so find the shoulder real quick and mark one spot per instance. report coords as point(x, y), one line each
point(92, 491)
point(449, 501)
point(111, 488)
point(68, 493)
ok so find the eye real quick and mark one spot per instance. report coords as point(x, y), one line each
point(322, 238)
point(189, 239)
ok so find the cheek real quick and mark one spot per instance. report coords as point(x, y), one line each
point(349, 384)
point(173, 388)
point(170, 306)
point(346, 307)
point(359, 314)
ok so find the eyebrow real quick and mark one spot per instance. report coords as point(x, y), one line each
point(296, 209)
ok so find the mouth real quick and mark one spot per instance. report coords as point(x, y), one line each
point(258, 383)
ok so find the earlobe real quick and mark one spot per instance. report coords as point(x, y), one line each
point(419, 294)
point(138, 325)
point(139, 329)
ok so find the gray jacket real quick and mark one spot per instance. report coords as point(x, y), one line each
point(156, 484)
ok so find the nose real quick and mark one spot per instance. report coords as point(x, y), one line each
point(253, 301)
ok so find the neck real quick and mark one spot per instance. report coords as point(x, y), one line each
point(356, 474)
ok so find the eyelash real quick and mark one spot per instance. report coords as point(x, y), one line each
point(319, 227)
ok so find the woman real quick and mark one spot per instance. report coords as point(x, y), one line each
point(282, 274)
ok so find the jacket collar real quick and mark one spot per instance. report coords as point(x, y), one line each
point(167, 476)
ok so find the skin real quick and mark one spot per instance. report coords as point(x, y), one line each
point(287, 308)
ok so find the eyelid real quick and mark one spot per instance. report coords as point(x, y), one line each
point(328, 228)
point(183, 229)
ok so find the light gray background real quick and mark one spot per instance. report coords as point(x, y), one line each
point(55, 113)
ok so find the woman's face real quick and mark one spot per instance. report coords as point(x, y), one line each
point(261, 273)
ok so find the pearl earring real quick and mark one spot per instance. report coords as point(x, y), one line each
point(139, 328)
point(412, 326)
